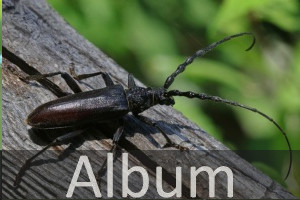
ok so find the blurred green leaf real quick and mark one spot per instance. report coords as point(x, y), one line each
point(231, 15)
point(138, 29)
point(200, 13)
point(283, 13)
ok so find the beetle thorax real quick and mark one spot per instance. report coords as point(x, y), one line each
point(140, 99)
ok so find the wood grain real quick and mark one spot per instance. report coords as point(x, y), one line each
point(36, 34)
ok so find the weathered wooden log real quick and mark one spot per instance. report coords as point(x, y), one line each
point(37, 40)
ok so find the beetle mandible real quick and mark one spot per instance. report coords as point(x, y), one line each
point(113, 102)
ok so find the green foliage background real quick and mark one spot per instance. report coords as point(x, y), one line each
point(151, 38)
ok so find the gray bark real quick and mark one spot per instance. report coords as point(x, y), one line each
point(35, 33)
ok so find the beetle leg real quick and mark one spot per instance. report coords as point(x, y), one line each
point(108, 81)
point(169, 143)
point(116, 138)
point(57, 141)
point(67, 77)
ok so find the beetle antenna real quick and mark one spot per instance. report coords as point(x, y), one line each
point(203, 96)
point(202, 52)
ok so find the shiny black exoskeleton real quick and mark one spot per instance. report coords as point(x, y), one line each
point(113, 102)
point(102, 105)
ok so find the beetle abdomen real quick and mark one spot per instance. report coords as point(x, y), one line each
point(100, 105)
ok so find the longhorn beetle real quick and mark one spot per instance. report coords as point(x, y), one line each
point(113, 102)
